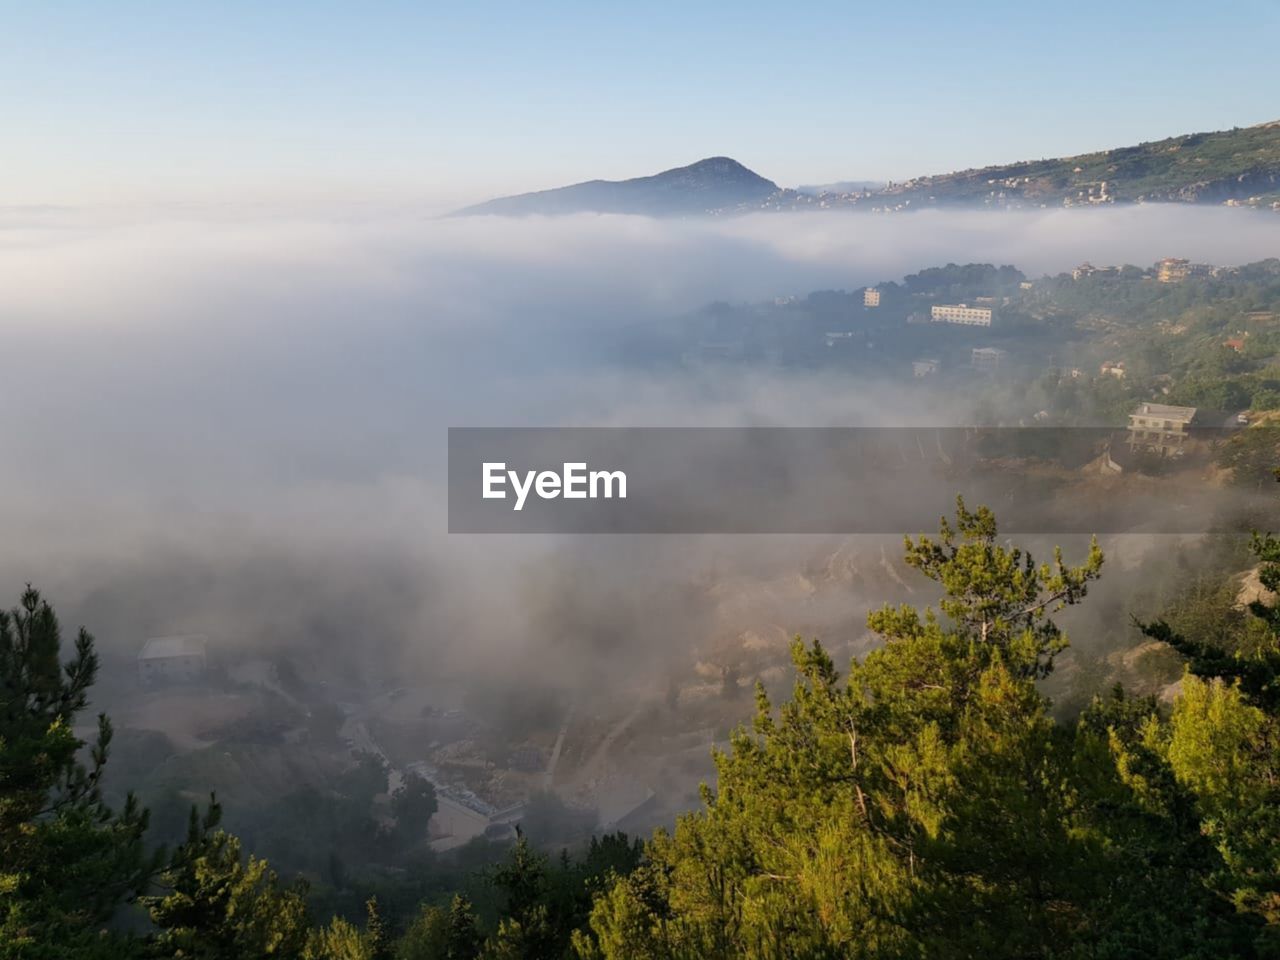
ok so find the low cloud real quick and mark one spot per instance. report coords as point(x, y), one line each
point(235, 420)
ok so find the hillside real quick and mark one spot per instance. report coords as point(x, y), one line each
point(1240, 166)
point(717, 184)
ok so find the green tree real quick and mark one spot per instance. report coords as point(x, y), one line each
point(1254, 666)
point(1227, 753)
point(216, 905)
point(1252, 455)
point(1223, 745)
point(544, 902)
point(339, 940)
point(928, 805)
point(343, 940)
point(995, 595)
point(67, 861)
point(413, 804)
point(527, 929)
point(442, 934)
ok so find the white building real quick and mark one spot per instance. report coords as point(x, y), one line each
point(1160, 427)
point(460, 818)
point(177, 659)
point(871, 297)
point(961, 313)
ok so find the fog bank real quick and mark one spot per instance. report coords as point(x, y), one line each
point(234, 421)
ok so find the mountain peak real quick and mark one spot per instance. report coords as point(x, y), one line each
point(711, 184)
point(720, 165)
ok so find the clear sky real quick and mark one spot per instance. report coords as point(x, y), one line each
point(124, 102)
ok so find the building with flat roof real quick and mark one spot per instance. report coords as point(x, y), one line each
point(871, 297)
point(1087, 269)
point(1160, 428)
point(961, 313)
point(176, 659)
point(988, 359)
point(1175, 270)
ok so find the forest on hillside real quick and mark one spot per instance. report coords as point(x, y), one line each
point(923, 802)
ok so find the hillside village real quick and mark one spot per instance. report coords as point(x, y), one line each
point(1079, 348)
point(1234, 168)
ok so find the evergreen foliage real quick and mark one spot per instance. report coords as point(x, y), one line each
point(923, 804)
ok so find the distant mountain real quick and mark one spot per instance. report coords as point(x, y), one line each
point(840, 186)
point(714, 185)
point(1240, 166)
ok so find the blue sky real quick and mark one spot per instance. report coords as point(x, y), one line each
point(124, 102)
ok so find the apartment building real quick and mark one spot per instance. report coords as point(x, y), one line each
point(1160, 428)
point(961, 313)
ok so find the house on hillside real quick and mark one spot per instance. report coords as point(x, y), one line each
point(1087, 269)
point(1176, 269)
point(176, 659)
point(961, 313)
point(1173, 270)
point(1160, 428)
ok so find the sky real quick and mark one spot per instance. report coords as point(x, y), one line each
point(442, 104)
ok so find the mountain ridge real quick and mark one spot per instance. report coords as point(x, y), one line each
point(1237, 167)
point(1241, 164)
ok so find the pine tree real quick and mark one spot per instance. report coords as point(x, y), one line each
point(67, 861)
point(462, 935)
point(217, 905)
point(928, 805)
point(527, 930)
point(439, 934)
point(342, 940)
point(339, 940)
point(1223, 745)
point(413, 804)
